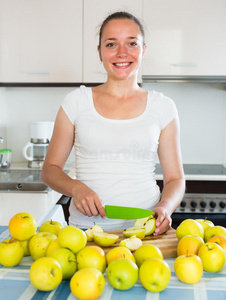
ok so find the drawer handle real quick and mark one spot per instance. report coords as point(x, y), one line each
point(38, 72)
point(185, 65)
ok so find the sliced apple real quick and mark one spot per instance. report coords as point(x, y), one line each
point(132, 243)
point(148, 223)
point(105, 239)
point(89, 232)
point(137, 231)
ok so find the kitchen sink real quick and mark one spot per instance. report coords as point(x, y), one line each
point(22, 180)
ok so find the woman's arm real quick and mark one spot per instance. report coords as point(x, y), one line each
point(173, 175)
point(85, 199)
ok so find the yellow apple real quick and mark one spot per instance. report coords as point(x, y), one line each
point(215, 230)
point(72, 238)
point(155, 274)
point(148, 223)
point(137, 231)
point(220, 240)
point(91, 257)
point(119, 252)
point(145, 252)
point(189, 244)
point(212, 256)
point(89, 232)
point(25, 245)
point(39, 243)
point(54, 245)
point(122, 273)
point(205, 223)
point(87, 284)
point(51, 226)
point(66, 259)
point(105, 239)
point(132, 243)
point(22, 226)
point(189, 227)
point(45, 274)
point(188, 268)
point(11, 252)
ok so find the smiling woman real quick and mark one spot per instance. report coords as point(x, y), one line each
point(117, 129)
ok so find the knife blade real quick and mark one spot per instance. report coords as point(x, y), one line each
point(123, 212)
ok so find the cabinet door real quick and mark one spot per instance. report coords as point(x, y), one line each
point(95, 11)
point(41, 40)
point(185, 37)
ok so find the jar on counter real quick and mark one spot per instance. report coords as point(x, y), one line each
point(5, 158)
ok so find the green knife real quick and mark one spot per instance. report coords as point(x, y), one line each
point(123, 212)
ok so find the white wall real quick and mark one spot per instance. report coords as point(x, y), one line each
point(202, 111)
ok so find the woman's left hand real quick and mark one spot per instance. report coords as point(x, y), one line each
point(163, 220)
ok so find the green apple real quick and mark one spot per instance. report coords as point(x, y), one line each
point(137, 231)
point(205, 223)
point(67, 260)
point(215, 230)
point(188, 268)
point(212, 256)
point(25, 245)
point(45, 274)
point(155, 274)
point(148, 223)
point(105, 239)
point(132, 243)
point(11, 252)
point(22, 226)
point(145, 252)
point(51, 226)
point(91, 257)
point(54, 245)
point(189, 227)
point(72, 238)
point(39, 244)
point(89, 232)
point(122, 273)
point(87, 284)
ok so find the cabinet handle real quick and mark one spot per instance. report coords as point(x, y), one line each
point(185, 65)
point(38, 72)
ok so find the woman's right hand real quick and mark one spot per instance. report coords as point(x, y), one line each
point(87, 201)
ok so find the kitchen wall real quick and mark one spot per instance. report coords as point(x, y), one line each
point(201, 107)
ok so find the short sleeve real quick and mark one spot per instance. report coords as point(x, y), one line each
point(70, 105)
point(168, 111)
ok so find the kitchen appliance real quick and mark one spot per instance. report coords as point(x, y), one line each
point(205, 196)
point(35, 150)
point(122, 212)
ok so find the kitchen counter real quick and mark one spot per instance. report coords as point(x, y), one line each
point(36, 203)
point(15, 284)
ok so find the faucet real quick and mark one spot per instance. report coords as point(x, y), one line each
point(1, 140)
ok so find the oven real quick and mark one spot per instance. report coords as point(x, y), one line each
point(205, 195)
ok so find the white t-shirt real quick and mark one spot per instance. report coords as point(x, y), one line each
point(116, 158)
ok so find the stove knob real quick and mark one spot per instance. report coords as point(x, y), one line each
point(183, 204)
point(193, 204)
point(203, 204)
point(222, 204)
point(213, 204)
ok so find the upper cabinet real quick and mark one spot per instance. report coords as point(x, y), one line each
point(41, 40)
point(185, 37)
point(95, 11)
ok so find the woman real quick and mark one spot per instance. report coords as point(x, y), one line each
point(117, 129)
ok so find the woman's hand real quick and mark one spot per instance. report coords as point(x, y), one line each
point(163, 220)
point(87, 201)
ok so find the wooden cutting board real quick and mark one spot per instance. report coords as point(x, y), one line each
point(166, 242)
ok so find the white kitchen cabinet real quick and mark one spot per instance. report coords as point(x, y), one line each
point(185, 37)
point(95, 11)
point(41, 40)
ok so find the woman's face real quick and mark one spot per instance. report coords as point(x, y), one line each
point(121, 48)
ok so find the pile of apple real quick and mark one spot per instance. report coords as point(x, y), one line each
point(62, 253)
point(201, 247)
